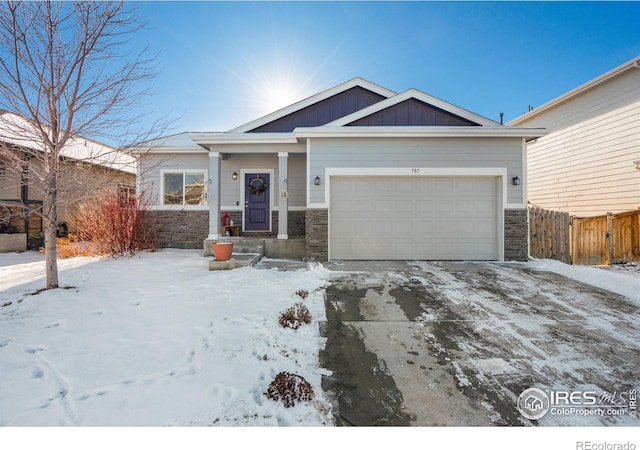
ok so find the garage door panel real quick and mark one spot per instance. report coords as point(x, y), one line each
point(424, 185)
point(424, 207)
point(413, 218)
point(445, 185)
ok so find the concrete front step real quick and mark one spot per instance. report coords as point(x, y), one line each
point(237, 260)
point(246, 252)
point(240, 245)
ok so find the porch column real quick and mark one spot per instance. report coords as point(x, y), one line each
point(214, 195)
point(283, 199)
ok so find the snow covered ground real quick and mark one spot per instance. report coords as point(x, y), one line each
point(622, 279)
point(154, 340)
point(160, 340)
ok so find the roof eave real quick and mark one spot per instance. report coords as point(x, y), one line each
point(632, 64)
point(431, 132)
point(247, 138)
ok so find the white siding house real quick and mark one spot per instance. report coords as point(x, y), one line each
point(589, 162)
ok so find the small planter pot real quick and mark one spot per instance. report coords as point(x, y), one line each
point(222, 250)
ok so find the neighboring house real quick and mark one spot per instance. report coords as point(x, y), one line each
point(87, 165)
point(589, 162)
point(358, 170)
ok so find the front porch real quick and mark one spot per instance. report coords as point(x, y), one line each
point(249, 251)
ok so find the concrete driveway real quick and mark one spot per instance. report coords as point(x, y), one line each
point(456, 343)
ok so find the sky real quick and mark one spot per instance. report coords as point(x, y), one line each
point(223, 64)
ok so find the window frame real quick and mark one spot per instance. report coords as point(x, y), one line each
point(183, 205)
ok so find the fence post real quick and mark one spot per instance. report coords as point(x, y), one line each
point(610, 238)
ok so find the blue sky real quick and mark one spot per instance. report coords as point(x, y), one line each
point(226, 63)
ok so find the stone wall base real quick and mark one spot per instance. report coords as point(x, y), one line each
point(317, 235)
point(516, 246)
point(181, 229)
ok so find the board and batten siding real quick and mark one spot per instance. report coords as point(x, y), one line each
point(431, 153)
point(585, 165)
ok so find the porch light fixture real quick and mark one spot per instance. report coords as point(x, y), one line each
point(234, 176)
point(515, 181)
point(317, 181)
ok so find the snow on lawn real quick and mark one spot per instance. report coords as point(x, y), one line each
point(623, 280)
point(154, 340)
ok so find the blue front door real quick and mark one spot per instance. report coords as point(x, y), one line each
point(257, 209)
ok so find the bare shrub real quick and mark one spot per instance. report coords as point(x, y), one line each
point(302, 293)
point(289, 388)
point(114, 224)
point(69, 247)
point(295, 316)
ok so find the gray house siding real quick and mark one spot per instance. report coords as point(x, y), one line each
point(413, 112)
point(323, 112)
point(416, 152)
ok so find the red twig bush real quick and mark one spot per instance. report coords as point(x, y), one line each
point(289, 388)
point(116, 225)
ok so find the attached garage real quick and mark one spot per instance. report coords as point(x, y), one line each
point(414, 218)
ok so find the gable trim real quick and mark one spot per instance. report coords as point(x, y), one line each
point(418, 95)
point(312, 100)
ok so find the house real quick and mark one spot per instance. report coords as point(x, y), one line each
point(589, 162)
point(359, 171)
point(86, 166)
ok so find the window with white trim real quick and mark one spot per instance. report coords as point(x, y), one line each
point(184, 188)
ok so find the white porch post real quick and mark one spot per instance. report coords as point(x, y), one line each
point(214, 195)
point(283, 201)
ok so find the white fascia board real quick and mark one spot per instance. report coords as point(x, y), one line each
point(247, 138)
point(432, 132)
point(173, 150)
point(314, 99)
point(418, 95)
point(632, 64)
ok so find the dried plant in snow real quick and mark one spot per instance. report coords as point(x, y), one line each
point(295, 316)
point(302, 293)
point(289, 388)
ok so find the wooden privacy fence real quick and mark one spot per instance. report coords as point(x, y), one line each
point(600, 240)
point(606, 240)
point(549, 235)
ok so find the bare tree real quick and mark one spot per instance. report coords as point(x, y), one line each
point(64, 74)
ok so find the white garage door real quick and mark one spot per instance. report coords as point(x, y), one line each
point(433, 218)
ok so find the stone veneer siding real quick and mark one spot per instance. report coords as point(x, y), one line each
point(317, 234)
point(516, 246)
point(295, 223)
point(187, 229)
point(181, 229)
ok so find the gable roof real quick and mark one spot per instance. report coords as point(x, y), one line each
point(589, 85)
point(15, 130)
point(314, 99)
point(174, 143)
point(420, 96)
